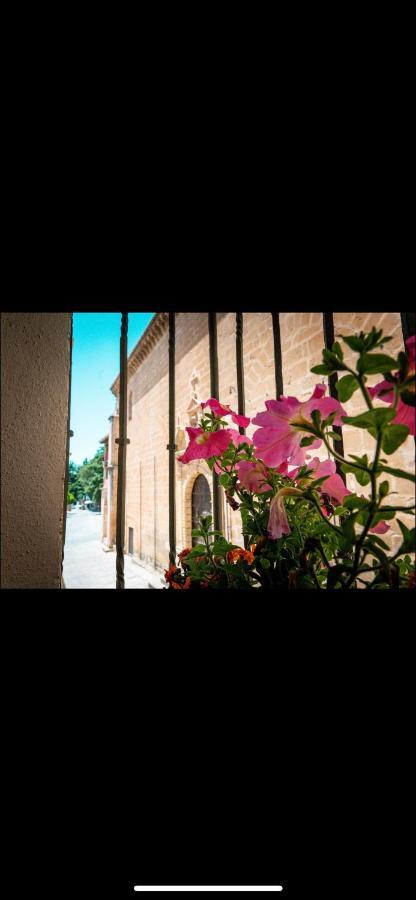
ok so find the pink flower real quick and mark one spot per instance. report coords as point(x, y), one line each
point(405, 414)
point(278, 439)
point(380, 528)
point(204, 444)
point(237, 439)
point(333, 484)
point(278, 524)
point(221, 409)
point(411, 351)
point(252, 476)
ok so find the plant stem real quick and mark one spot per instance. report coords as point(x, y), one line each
point(371, 511)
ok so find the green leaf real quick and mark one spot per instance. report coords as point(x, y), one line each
point(382, 515)
point(354, 502)
point(321, 370)
point(225, 480)
point(408, 545)
point(374, 538)
point(348, 534)
point(346, 387)
point(221, 547)
point(374, 418)
point(199, 550)
point(306, 441)
point(329, 420)
point(332, 361)
point(354, 342)
point(376, 551)
point(362, 477)
point(383, 489)
point(393, 436)
point(196, 533)
point(316, 418)
point(340, 510)
point(370, 363)
point(397, 472)
point(334, 435)
point(336, 348)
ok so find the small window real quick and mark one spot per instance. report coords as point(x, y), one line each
point(201, 503)
point(130, 405)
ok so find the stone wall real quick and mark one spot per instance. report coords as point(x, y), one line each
point(147, 457)
point(35, 370)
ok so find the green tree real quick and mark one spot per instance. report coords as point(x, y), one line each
point(90, 476)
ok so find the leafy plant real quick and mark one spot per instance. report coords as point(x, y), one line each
point(302, 527)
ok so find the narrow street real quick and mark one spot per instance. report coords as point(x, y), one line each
point(87, 565)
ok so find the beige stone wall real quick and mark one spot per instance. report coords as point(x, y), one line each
point(35, 367)
point(302, 343)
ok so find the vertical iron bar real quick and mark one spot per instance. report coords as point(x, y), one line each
point(240, 369)
point(408, 327)
point(213, 362)
point(277, 355)
point(171, 445)
point(122, 442)
point(408, 324)
point(329, 338)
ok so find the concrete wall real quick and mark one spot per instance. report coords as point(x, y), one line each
point(35, 371)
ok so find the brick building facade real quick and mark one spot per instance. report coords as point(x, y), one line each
point(302, 340)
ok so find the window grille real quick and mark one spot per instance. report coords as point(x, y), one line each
point(408, 328)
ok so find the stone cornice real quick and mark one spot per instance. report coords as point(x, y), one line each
point(148, 340)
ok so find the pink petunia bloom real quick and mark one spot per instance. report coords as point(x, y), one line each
point(380, 528)
point(333, 484)
point(221, 409)
point(204, 444)
point(279, 437)
point(252, 476)
point(278, 524)
point(405, 414)
point(237, 439)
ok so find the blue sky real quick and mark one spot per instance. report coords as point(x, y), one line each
point(95, 365)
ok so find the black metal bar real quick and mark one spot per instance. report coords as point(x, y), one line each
point(329, 338)
point(122, 442)
point(171, 445)
point(240, 368)
point(408, 327)
point(277, 355)
point(69, 435)
point(408, 324)
point(213, 362)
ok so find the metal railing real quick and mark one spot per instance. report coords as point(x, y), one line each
point(408, 328)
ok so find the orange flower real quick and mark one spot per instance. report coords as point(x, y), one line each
point(169, 573)
point(184, 553)
point(182, 587)
point(246, 555)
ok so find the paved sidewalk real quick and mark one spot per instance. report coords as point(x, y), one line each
point(87, 565)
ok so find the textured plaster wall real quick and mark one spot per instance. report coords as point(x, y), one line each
point(35, 371)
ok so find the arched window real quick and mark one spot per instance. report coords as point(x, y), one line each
point(201, 503)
